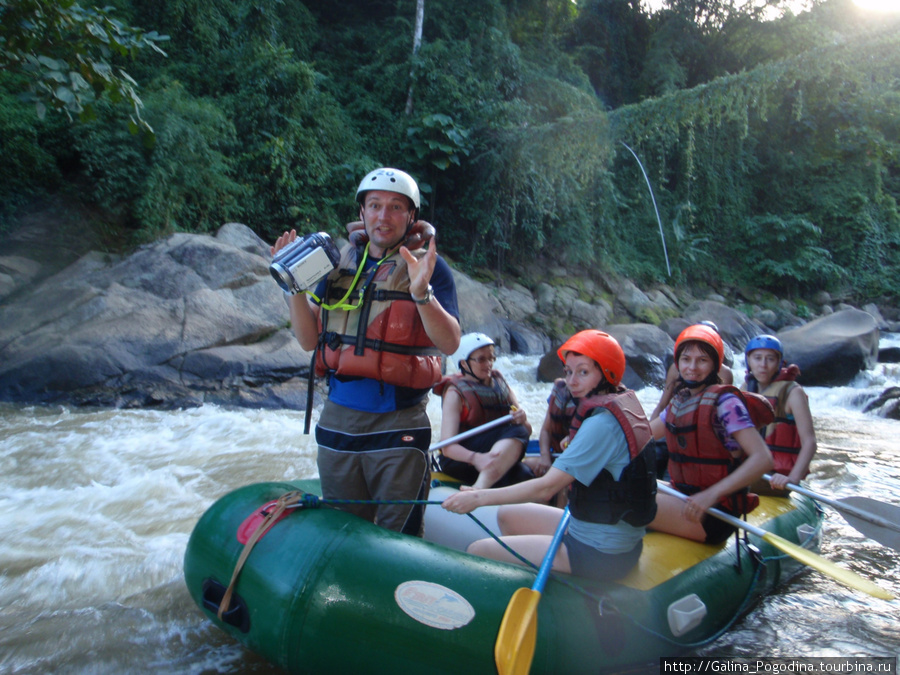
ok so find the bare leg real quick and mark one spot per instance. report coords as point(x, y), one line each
point(533, 547)
point(503, 455)
point(532, 463)
point(669, 519)
point(528, 529)
point(516, 519)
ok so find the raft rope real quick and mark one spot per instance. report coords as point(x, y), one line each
point(298, 499)
point(285, 501)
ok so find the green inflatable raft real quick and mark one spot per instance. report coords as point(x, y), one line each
point(325, 592)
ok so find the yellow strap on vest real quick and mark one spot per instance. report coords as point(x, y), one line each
point(342, 303)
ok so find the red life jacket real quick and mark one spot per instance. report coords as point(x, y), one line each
point(480, 403)
point(782, 436)
point(697, 457)
point(631, 497)
point(384, 339)
point(561, 409)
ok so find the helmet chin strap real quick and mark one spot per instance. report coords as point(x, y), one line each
point(409, 225)
point(602, 386)
point(468, 371)
point(708, 380)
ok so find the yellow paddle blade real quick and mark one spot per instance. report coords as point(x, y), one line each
point(516, 638)
point(825, 566)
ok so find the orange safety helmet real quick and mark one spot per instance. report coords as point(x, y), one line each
point(602, 348)
point(702, 333)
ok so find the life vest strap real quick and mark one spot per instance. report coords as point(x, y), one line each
point(335, 340)
point(382, 295)
point(687, 489)
point(377, 295)
point(688, 459)
point(677, 431)
point(785, 449)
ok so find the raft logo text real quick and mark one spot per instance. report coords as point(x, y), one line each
point(832, 665)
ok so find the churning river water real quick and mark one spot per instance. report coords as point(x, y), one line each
point(96, 507)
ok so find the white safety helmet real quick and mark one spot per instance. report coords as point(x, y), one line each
point(468, 343)
point(389, 180)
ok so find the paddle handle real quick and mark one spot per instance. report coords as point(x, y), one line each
point(721, 515)
point(804, 491)
point(547, 563)
point(841, 506)
point(471, 432)
point(796, 551)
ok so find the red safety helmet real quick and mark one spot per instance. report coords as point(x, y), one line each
point(702, 333)
point(602, 348)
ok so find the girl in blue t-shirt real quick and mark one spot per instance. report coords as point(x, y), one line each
point(594, 365)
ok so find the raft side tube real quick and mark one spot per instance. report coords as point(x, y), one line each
point(322, 579)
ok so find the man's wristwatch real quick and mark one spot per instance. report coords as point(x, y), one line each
point(429, 296)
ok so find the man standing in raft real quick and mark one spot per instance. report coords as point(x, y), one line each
point(378, 324)
point(715, 450)
point(608, 468)
point(791, 437)
point(476, 395)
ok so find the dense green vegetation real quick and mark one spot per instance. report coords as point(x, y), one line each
point(772, 146)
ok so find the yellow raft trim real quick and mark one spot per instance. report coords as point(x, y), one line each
point(666, 555)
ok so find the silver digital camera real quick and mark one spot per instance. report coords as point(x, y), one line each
point(304, 261)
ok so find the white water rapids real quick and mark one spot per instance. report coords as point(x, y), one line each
point(96, 507)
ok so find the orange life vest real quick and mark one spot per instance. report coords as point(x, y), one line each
point(384, 339)
point(782, 436)
point(480, 403)
point(697, 457)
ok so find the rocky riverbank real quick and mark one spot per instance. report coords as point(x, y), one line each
point(196, 319)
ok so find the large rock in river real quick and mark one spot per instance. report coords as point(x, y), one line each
point(183, 321)
point(735, 327)
point(497, 313)
point(833, 349)
point(644, 345)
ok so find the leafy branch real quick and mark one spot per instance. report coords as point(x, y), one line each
point(68, 52)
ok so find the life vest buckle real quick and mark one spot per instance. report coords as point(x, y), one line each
point(332, 340)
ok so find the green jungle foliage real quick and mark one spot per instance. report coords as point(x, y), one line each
point(785, 177)
point(65, 50)
point(772, 147)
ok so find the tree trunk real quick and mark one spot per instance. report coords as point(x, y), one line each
point(417, 42)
